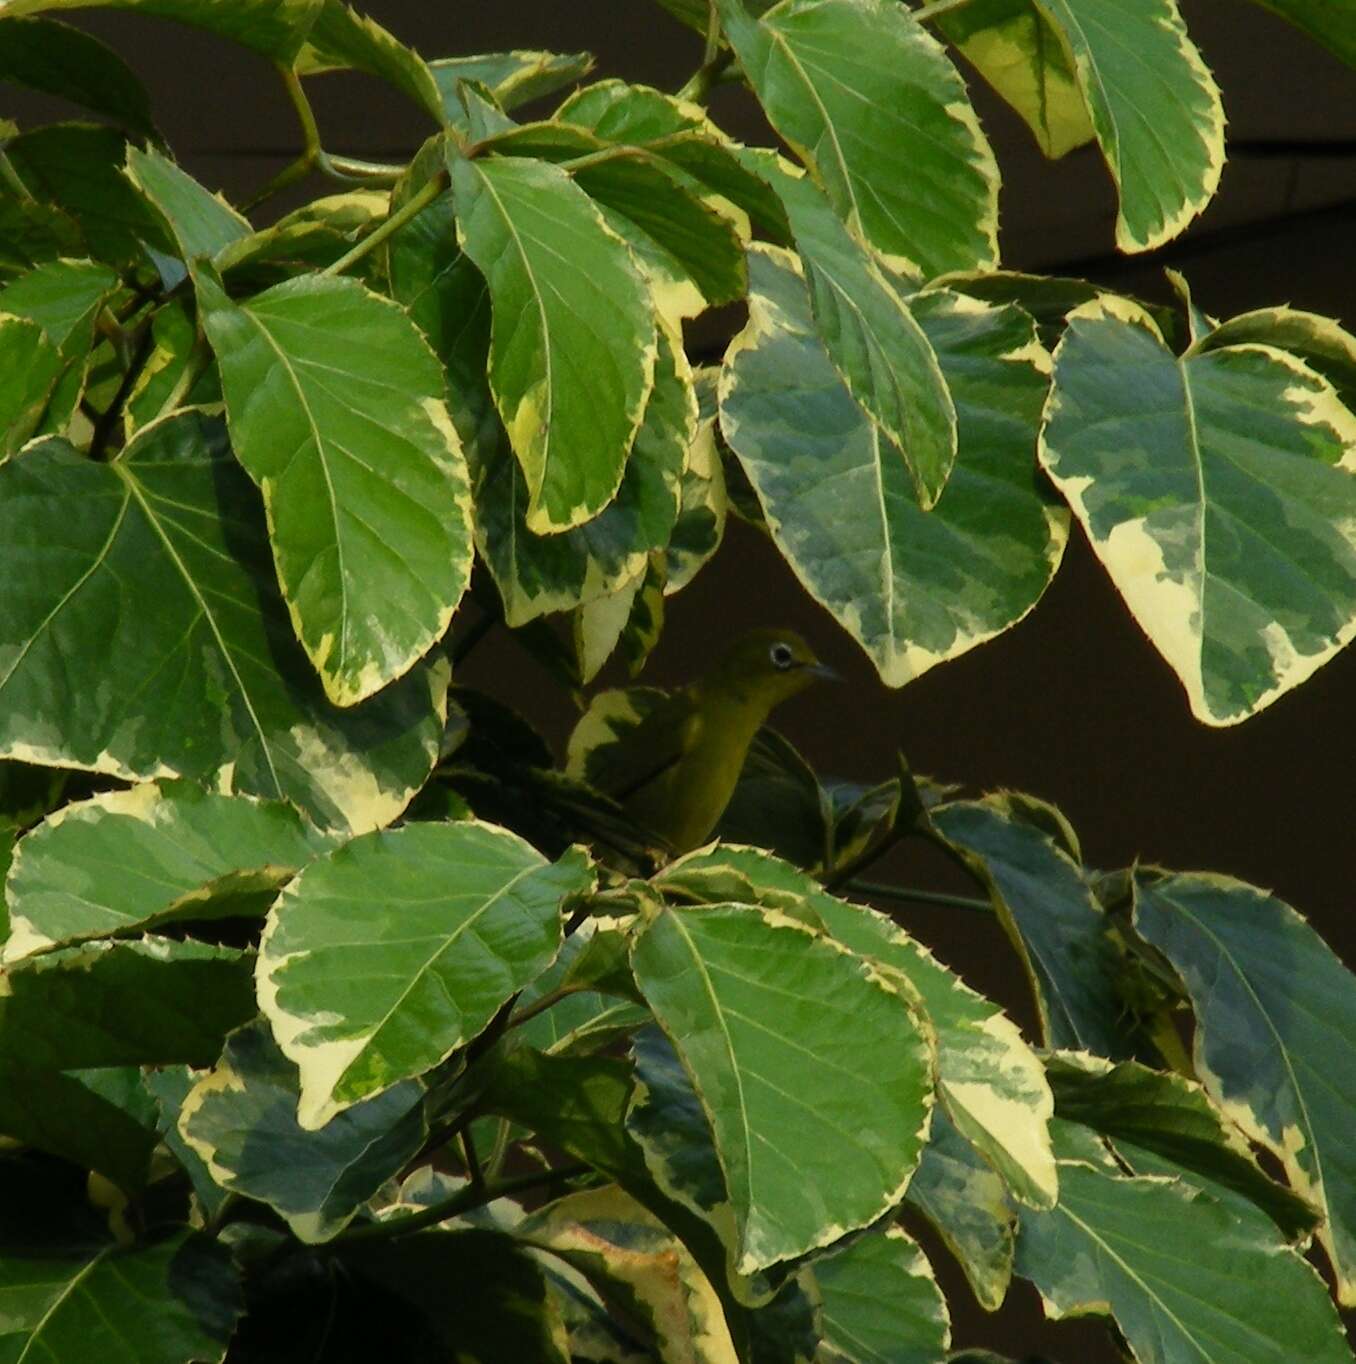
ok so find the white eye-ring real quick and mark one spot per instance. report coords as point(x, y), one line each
point(781, 656)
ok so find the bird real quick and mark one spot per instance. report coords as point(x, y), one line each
point(674, 770)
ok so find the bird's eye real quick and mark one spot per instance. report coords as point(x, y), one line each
point(781, 656)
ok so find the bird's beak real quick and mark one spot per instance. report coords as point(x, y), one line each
point(823, 672)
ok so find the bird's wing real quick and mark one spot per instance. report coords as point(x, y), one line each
point(629, 737)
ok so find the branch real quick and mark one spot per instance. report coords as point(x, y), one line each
point(410, 209)
point(461, 1201)
point(909, 894)
point(108, 419)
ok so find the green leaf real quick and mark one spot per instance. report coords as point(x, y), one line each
point(475, 1293)
point(703, 502)
point(1218, 488)
point(174, 1302)
point(78, 168)
point(639, 1268)
point(29, 369)
point(991, 1084)
point(160, 557)
point(1141, 1109)
point(913, 588)
point(818, 1098)
point(1016, 46)
point(363, 992)
point(1155, 108)
point(513, 78)
point(129, 860)
point(879, 350)
point(337, 410)
point(879, 1301)
point(1208, 1292)
point(1050, 914)
point(681, 133)
point(174, 339)
point(573, 351)
point(966, 1201)
point(700, 242)
point(33, 231)
point(241, 1120)
point(202, 223)
point(342, 39)
point(149, 1002)
point(1328, 21)
point(63, 297)
point(869, 101)
point(317, 233)
point(1279, 1063)
point(77, 1116)
point(60, 60)
point(273, 28)
point(170, 1086)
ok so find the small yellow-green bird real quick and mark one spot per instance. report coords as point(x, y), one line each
point(675, 771)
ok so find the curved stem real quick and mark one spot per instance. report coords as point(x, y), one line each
point(909, 894)
point(307, 158)
point(925, 12)
point(461, 1201)
point(410, 209)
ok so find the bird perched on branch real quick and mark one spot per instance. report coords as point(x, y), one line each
point(672, 761)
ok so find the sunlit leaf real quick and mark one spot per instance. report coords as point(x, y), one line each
point(812, 1070)
point(336, 408)
point(870, 101)
point(366, 990)
point(1219, 490)
point(914, 588)
point(127, 860)
point(160, 556)
point(573, 347)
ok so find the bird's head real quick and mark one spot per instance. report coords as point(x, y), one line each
point(765, 667)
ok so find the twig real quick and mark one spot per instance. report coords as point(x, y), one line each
point(461, 1201)
point(108, 419)
point(910, 894)
point(410, 209)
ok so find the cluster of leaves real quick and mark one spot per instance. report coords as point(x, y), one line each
point(320, 1032)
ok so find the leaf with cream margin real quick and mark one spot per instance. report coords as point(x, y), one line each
point(1206, 1294)
point(381, 959)
point(202, 223)
point(870, 101)
point(273, 28)
point(30, 367)
point(1219, 490)
point(240, 1119)
point(990, 1082)
point(878, 1300)
point(639, 1267)
point(160, 557)
point(153, 1001)
point(814, 1072)
point(1128, 75)
point(80, 1297)
point(703, 502)
point(1049, 913)
point(573, 346)
point(1149, 1113)
point(1017, 48)
point(125, 861)
point(914, 588)
point(337, 410)
point(342, 39)
point(882, 354)
point(513, 78)
point(1280, 1061)
point(966, 1200)
point(63, 297)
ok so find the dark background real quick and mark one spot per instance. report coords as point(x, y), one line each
point(1073, 704)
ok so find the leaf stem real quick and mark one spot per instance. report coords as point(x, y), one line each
point(11, 179)
point(538, 1006)
point(352, 168)
point(414, 206)
point(710, 73)
point(310, 154)
point(910, 894)
point(108, 419)
point(931, 11)
point(462, 1201)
